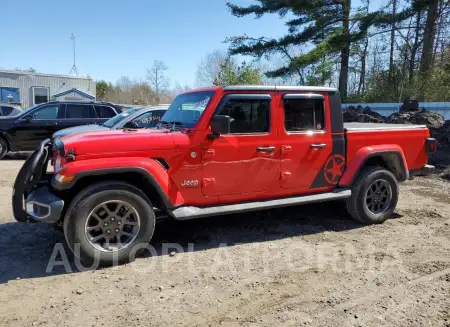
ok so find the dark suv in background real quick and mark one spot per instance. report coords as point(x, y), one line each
point(25, 131)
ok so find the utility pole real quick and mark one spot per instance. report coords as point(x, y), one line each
point(74, 69)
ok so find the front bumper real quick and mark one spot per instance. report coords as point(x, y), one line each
point(43, 206)
point(33, 199)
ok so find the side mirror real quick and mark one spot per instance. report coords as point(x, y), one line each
point(220, 125)
point(28, 118)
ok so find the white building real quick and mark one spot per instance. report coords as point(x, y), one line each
point(27, 89)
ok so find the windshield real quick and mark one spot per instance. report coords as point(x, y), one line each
point(27, 110)
point(187, 108)
point(111, 122)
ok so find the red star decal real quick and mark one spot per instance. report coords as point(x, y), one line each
point(334, 168)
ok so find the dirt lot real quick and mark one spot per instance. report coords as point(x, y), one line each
point(307, 265)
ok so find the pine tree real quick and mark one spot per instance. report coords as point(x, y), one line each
point(326, 27)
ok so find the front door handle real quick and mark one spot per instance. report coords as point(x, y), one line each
point(318, 146)
point(265, 149)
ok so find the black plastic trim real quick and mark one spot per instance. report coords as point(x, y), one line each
point(405, 174)
point(98, 172)
point(246, 97)
point(28, 177)
point(43, 195)
point(337, 120)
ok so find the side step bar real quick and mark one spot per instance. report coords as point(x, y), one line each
point(185, 213)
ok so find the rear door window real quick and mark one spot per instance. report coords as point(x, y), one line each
point(105, 111)
point(80, 111)
point(5, 111)
point(304, 115)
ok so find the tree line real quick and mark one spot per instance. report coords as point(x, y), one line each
point(399, 50)
point(154, 89)
point(216, 68)
point(371, 52)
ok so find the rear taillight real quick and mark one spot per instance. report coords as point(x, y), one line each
point(430, 145)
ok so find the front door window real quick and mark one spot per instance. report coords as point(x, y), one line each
point(49, 112)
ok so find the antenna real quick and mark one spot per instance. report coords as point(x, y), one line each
point(74, 67)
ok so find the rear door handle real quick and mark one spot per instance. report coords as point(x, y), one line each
point(265, 149)
point(318, 146)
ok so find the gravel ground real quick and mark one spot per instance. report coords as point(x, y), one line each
point(308, 265)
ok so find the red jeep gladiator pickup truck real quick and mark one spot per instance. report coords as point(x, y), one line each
point(217, 151)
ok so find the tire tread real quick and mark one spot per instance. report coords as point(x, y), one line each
point(354, 201)
point(91, 190)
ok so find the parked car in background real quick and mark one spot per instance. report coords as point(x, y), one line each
point(138, 117)
point(26, 130)
point(9, 110)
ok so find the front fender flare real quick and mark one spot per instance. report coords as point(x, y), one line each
point(153, 172)
point(369, 152)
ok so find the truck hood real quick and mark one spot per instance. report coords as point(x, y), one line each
point(79, 129)
point(117, 141)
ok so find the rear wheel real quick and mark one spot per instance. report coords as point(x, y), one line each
point(3, 148)
point(374, 196)
point(109, 223)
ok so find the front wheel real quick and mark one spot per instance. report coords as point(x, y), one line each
point(374, 196)
point(3, 148)
point(109, 223)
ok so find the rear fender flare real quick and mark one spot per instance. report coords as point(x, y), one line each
point(392, 155)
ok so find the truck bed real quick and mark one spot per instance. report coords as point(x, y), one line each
point(379, 126)
point(410, 138)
